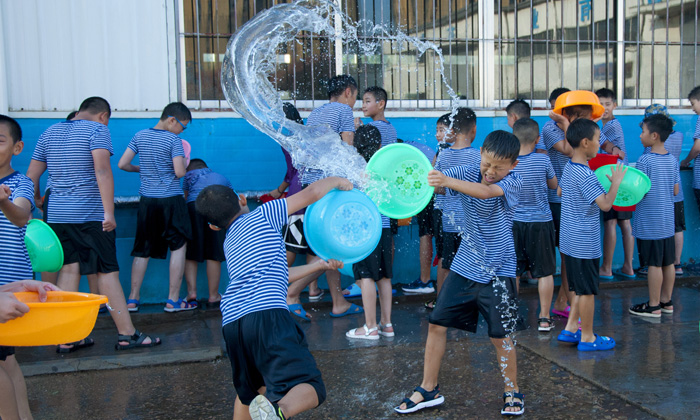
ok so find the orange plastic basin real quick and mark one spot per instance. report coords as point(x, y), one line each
point(64, 317)
point(579, 97)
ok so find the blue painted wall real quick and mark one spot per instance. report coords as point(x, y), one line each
point(254, 162)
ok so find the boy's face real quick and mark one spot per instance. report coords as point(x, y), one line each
point(8, 147)
point(493, 169)
point(591, 146)
point(695, 106)
point(583, 115)
point(443, 133)
point(371, 106)
point(609, 105)
point(552, 103)
point(512, 118)
point(646, 137)
point(350, 96)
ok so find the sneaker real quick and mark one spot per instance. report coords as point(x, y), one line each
point(262, 409)
point(643, 309)
point(417, 287)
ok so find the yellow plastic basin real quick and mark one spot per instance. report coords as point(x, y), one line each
point(64, 317)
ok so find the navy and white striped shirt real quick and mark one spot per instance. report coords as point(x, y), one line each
point(696, 166)
point(535, 169)
point(66, 148)
point(156, 150)
point(257, 262)
point(449, 203)
point(487, 248)
point(387, 130)
point(579, 235)
point(540, 145)
point(651, 217)
point(198, 179)
point(551, 134)
point(674, 145)
point(339, 117)
point(14, 260)
point(612, 131)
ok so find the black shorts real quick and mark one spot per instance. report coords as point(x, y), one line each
point(613, 214)
point(556, 218)
point(206, 243)
point(45, 206)
point(697, 196)
point(5, 352)
point(162, 224)
point(657, 252)
point(394, 226)
point(679, 216)
point(437, 231)
point(535, 249)
point(378, 264)
point(461, 300)
point(293, 234)
point(87, 244)
point(268, 348)
point(425, 219)
point(450, 245)
point(582, 275)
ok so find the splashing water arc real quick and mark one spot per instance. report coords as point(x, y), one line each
point(249, 61)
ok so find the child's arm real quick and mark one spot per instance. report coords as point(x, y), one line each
point(125, 161)
point(563, 145)
point(474, 189)
point(605, 201)
point(552, 183)
point(36, 169)
point(348, 137)
point(315, 192)
point(17, 212)
point(676, 189)
point(279, 190)
point(179, 166)
point(105, 182)
point(692, 154)
point(299, 272)
point(11, 307)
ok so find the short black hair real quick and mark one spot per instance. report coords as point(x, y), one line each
point(557, 93)
point(526, 130)
point(379, 93)
point(218, 204)
point(444, 120)
point(519, 108)
point(463, 120)
point(502, 145)
point(292, 113)
point(338, 84)
point(15, 129)
point(95, 105)
point(694, 94)
point(71, 115)
point(368, 139)
point(579, 130)
point(659, 124)
point(196, 164)
point(177, 110)
point(605, 93)
point(577, 111)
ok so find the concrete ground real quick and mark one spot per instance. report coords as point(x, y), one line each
point(651, 373)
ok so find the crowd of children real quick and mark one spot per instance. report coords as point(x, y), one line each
point(498, 213)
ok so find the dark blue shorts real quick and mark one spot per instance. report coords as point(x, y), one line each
point(268, 348)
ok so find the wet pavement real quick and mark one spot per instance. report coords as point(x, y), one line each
point(650, 374)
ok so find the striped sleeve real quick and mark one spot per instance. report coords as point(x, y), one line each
point(549, 169)
point(696, 135)
point(177, 149)
point(101, 139)
point(40, 149)
point(591, 188)
point(346, 120)
point(275, 213)
point(511, 186)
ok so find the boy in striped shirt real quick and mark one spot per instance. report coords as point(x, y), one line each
point(482, 277)
point(652, 227)
point(162, 222)
point(268, 351)
point(582, 199)
point(533, 228)
point(694, 154)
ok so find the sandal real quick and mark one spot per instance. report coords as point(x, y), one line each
point(430, 399)
point(386, 333)
point(366, 336)
point(135, 340)
point(548, 321)
point(294, 307)
point(193, 302)
point(430, 305)
point(177, 305)
point(666, 307)
point(134, 302)
point(76, 345)
point(520, 405)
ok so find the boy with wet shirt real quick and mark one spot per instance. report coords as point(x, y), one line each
point(482, 278)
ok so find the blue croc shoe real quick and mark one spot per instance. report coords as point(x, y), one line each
point(569, 337)
point(601, 343)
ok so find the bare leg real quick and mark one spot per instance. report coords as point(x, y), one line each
point(679, 248)
point(545, 288)
point(655, 278)
point(609, 241)
point(12, 368)
point(177, 270)
point(586, 309)
point(627, 245)
point(109, 285)
point(69, 280)
point(385, 298)
point(369, 302)
point(213, 279)
point(49, 277)
point(240, 411)
point(508, 364)
point(669, 274)
point(517, 285)
point(92, 283)
point(8, 400)
point(434, 350)
point(564, 295)
point(191, 278)
point(138, 272)
point(300, 398)
point(426, 254)
point(572, 321)
point(340, 304)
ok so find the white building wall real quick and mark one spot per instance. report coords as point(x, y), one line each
point(58, 52)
